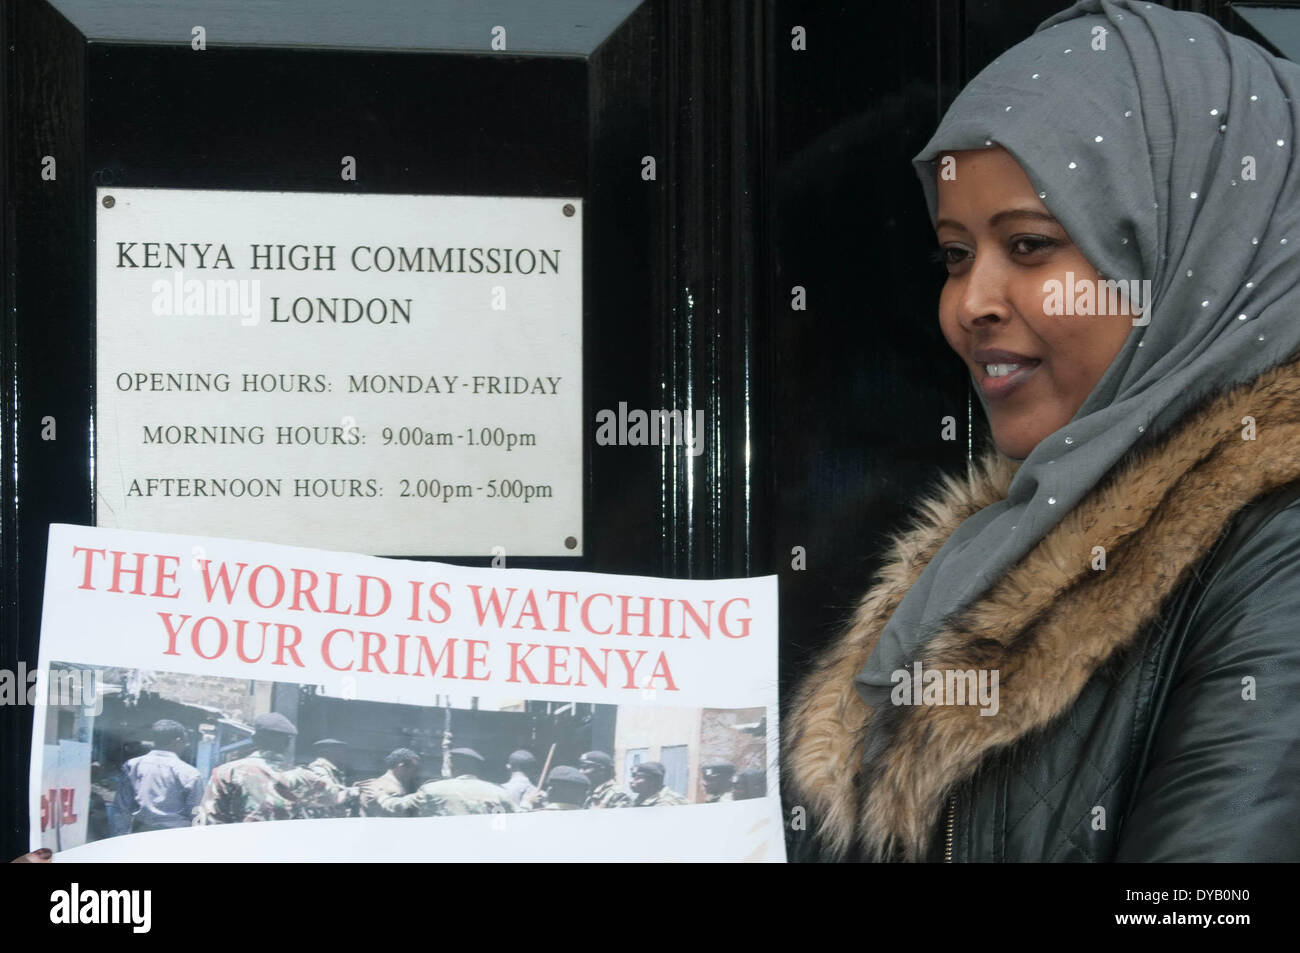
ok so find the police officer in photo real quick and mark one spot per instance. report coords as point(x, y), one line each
point(566, 789)
point(605, 791)
point(158, 790)
point(465, 793)
point(252, 788)
point(401, 778)
point(719, 779)
point(329, 796)
point(648, 786)
point(329, 754)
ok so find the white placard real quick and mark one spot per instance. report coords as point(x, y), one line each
point(691, 666)
point(391, 374)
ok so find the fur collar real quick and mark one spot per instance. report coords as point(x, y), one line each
point(1047, 625)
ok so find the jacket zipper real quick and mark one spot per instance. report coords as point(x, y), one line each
point(952, 817)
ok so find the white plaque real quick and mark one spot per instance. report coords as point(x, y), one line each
point(389, 374)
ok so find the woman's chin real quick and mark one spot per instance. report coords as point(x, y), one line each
point(1017, 447)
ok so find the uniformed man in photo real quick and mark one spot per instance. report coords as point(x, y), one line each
point(253, 788)
point(566, 789)
point(605, 791)
point(464, 793)
point(320, 785)
point(158, 790)
point(402, 777)
point(328, 760)
point(719, 780)
point(648, 786)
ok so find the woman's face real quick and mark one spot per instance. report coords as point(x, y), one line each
point(1000, 246)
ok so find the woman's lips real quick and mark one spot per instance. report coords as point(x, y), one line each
point(995, 388)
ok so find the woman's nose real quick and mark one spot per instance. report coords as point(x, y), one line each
point(984, 294)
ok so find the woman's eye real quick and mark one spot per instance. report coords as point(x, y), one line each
point(948, 257)
point(1028, 244)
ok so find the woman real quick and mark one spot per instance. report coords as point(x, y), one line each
point(1106, 613)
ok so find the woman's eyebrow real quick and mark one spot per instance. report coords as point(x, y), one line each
point(1032, 213)
point(999, 217)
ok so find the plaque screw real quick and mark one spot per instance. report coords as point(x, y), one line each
point(109, 201)
point(568, 213)
point(570, 542)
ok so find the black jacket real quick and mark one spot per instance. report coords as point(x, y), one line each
point(1184, 766)
point(1149, 711)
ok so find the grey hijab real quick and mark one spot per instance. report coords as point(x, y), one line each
point(1135, 123)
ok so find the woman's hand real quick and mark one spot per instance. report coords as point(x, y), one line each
point(41, 856)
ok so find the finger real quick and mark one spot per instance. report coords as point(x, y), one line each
point(41, 856)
